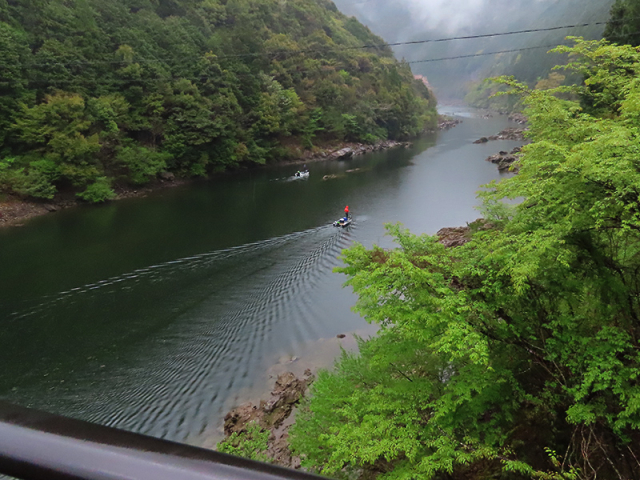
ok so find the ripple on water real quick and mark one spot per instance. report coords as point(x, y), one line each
point(228, 311)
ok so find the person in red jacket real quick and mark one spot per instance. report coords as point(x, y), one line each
point(346, 213)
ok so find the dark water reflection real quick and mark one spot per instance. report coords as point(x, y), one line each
point(157, 314)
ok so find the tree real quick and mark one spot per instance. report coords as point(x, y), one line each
point(89, 87)
point(515, 355)
point(59, 131)
point(624, 25)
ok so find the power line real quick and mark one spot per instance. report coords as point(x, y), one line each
point(472, 37)
point(361, 47)
point(170, 78)
point(483, 54)
point(205, 77)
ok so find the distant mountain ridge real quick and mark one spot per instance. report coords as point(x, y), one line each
point(407, 21)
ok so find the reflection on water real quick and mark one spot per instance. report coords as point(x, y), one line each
point(159, 314)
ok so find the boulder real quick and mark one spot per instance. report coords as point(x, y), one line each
point(343, 153)
point(458, 236)
point(237, 419)
point(518, 118)
point(454, 236)
point(512, 134)
point(482, 140)
point(505, 160)
point(270, 413)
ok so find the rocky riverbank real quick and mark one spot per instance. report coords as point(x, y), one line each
point(348, 150)
point(518, 118)
point(275, 412)
point(273, 415)
point(510, 133)
point(457, 236)
point(14, 210)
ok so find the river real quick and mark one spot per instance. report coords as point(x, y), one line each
point(158, 314)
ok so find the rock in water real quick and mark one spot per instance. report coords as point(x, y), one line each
point(271, 413)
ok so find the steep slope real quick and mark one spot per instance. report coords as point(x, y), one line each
point(100, 90)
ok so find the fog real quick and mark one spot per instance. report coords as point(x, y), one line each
point(411, 20)
point(445, 16)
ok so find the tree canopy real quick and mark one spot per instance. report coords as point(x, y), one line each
point(94, 92)
point(624, 26)
point(515, 355)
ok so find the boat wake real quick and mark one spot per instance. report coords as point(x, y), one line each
point(206, 325)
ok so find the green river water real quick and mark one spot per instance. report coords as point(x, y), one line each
point(158, 314)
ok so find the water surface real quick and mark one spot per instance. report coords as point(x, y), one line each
point(158, 314)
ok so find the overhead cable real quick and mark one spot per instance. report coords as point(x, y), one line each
point(332, 49)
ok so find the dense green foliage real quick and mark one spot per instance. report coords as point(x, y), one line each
point(251, 444)
point(624, 26)
point(100, 91)
point(516, 355)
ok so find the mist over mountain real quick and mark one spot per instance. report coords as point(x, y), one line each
point(415, 20)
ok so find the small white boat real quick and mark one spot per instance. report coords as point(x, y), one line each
point(304, 174)
point(342, 222)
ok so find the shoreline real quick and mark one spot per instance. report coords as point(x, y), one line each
point(273, 408)
point(14, 211)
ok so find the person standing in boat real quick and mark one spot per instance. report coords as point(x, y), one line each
point(346, 213)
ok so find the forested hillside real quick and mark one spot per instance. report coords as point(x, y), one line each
point(94, 92)
point(516, 354)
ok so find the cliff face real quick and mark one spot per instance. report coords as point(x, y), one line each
point(121, 90)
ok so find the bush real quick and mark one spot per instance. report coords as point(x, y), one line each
point(28, 182)
point(141, 163)
point(251, 445)
point(99, 191)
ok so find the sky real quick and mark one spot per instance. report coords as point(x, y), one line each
point(448, 16)
point(407, 20)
